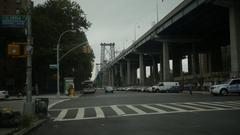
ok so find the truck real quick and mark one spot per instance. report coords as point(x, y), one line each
point(166, 87)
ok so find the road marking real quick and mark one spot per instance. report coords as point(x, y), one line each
point(117, 110)
point(154, 109)
point(176, 107)
point(214, 104)
point(99, 112)
point(135, 109)
point(172, 107)
point(53, 104)
point(80, 114)
point(61, 115)
point(188, 106)
point(208, 106)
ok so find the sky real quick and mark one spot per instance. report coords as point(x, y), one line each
point(118, 21)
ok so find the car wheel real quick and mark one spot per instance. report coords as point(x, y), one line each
point(224, 92)
point(158, 91)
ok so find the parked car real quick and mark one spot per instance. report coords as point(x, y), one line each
point(3, 94)
point(108, 89)
point(230, 86)
point(166, 87)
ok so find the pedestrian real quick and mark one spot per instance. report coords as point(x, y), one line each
point(190, 89)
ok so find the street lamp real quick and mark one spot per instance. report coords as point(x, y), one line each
point(58, 73)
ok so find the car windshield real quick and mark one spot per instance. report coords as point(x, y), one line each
point(227, 81)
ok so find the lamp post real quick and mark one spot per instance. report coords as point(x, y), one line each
point(58, 73)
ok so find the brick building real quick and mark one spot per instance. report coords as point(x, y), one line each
point(12, 70)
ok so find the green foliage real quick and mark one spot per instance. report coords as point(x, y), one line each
point(49, 20)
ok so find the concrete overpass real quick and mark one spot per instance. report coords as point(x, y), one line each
point(206, 32)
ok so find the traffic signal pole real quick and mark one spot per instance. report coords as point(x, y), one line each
point(28, 104)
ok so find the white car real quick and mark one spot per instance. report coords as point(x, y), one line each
point(108, 89)
point(230, 86)
point(3, 94)
point(166, 87)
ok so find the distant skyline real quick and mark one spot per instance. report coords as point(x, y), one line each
point(118, 20)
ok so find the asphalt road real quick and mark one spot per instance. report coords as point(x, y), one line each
point(130, 113)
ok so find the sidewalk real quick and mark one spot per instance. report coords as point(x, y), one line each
point(16, 104)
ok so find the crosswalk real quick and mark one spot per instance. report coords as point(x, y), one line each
point(111, 111)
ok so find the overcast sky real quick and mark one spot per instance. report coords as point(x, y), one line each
point(116, 20)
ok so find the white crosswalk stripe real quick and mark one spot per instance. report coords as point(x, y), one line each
point(208, 106)
point(180, 107)
point(154, 109)
point(61, 115)
point(188, 106)
point(80, 114)
point(136, 109)
point(172, 107)
point(99, 112)
point(117, 110)
point(214, 104)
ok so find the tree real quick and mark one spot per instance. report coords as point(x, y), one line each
point(49, 20)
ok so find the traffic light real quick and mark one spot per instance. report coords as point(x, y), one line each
point(16, 50)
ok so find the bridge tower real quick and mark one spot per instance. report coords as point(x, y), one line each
point(107, 53)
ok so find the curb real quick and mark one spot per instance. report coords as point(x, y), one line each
point(33, 126)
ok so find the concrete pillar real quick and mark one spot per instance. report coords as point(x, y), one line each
point(190, 64)
point(109, 76)
point(142, 70)
point(203, 63)
point(234, 21)
point(112, 76)
point(116, 75)
point(133, 74)
point(128, 72)
point(161, 69)
point(166, 67)
point(121, 75)
point(177, 66)
point(195, 60)
point(154, 70)
point(209, 61)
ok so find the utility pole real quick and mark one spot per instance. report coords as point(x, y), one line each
point(28, 105)
point(157, 4)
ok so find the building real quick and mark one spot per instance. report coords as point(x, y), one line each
point(12, 7)
point(12, 41)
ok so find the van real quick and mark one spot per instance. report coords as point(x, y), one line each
point(166, 87)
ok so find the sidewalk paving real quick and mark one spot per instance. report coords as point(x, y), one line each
point(16, 104)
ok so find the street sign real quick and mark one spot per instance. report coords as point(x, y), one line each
point(53, 66)
point(12, 21)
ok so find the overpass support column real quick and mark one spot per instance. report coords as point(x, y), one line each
point(128, 72)
point(195, 62)
point(133, 74)
point(166, 68)
point(112, 76)
point(142, 70)
point(234, 21)
point(190, 64)
point(154, 70)
point(121, 75)
point(161, 69)
point(177, 66)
